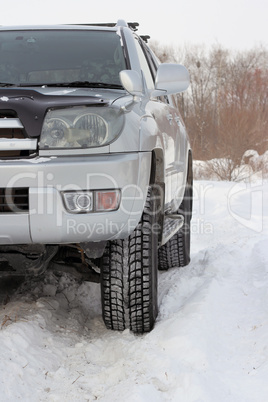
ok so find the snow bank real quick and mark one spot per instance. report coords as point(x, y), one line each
point(210, 340)
point(252, 167)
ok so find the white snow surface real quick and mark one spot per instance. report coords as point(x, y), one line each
point(210, 341)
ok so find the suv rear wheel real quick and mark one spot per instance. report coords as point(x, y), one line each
point(176, 252)
point(129, 276)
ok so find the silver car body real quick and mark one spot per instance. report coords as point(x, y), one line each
point(153, 131)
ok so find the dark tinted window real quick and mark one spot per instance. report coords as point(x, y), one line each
point(55, 56)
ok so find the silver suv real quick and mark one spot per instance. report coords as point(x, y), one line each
point(95, 163)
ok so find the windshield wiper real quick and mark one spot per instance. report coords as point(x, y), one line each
point(76, 84)
point(7, 84)
point(93, 85)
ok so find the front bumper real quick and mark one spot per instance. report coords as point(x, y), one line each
point(48, 221)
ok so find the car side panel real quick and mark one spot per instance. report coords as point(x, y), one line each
point(160, 129)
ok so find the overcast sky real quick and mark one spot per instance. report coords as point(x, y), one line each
point(235, 24)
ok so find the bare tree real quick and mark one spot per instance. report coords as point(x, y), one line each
point(226, 106)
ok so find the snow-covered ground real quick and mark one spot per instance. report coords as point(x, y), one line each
point(210, 342)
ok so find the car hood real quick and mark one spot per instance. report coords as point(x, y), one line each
point(30, 105)
point(108, 94)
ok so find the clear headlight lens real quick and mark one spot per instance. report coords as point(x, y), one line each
point(78, 201)
point(81, 127)
point(91, 201)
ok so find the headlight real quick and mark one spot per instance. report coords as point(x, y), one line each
point(81, 127)
point(55, 131)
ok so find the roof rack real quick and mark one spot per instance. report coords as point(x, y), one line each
point(145, 38)
point(133, 25)
point(119, 23)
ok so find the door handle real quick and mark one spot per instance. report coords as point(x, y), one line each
point(170, 118)
point(178, 120)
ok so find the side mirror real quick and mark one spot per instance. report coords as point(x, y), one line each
point(132, 82)
point(170, 79)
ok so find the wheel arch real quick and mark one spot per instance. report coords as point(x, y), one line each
point(190, 168)
point(157, 182)
point(189, 180)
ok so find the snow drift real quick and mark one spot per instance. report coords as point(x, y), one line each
point(210, 340)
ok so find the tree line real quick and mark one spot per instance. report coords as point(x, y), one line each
point(225, 108)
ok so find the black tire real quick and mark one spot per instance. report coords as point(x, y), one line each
point(176, 252)
point(129, 276)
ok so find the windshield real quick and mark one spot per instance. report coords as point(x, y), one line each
point(41, 57)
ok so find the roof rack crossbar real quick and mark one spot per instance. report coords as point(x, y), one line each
point(132, 25)
point(145, 38)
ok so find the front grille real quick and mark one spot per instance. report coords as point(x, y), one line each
point(11, 128)
point(14, 200)
point(11, 133)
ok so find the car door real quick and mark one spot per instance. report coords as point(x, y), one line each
point(164, 114)
point(181, 141)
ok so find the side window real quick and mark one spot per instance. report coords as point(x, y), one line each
point(153, 64)
point(149, 56)
point(165, 99)
point(173, 101)
point(144, 66)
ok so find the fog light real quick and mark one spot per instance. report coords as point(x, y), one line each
point(78, 201)
point(107, 200)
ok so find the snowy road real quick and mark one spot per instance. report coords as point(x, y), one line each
point(210, 342)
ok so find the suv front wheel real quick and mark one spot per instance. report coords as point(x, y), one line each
point(129, 276)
